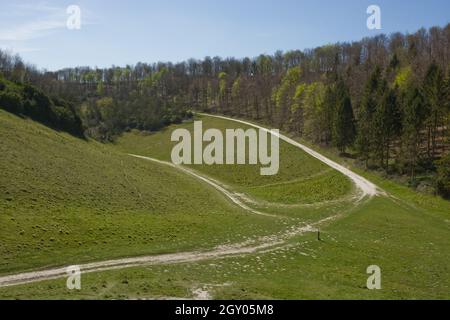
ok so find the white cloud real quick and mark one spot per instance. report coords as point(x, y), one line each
point(27, 21)
point(31, 30)
point(33, 8)
point(21, 23)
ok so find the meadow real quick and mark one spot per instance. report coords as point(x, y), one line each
point(301, 179)
point(64, 200)
point(405, 233)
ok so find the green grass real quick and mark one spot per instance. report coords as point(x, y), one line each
point(410, 248)
point(295, 165)
point(307, 191)
point(64, 200)
point(407, 236)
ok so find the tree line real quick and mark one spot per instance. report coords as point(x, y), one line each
point(383, 100)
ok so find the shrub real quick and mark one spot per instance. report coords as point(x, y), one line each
point(29, 101)
point(443, 177)
point(11, 102)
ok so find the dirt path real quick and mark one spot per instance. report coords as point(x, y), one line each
point(263, 244)
point(212, 183)
point(260, 245)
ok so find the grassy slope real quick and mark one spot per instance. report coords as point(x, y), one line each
point(301, 178)
point(407, 238)
point(64, 200)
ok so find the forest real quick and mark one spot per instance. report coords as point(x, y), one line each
point(383, 101)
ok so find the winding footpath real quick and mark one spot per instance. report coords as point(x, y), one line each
point(212, 183)
point(367, 189)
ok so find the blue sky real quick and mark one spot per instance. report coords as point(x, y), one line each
point(125, 32)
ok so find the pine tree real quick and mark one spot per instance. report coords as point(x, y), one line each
point(366, 140)
point(387, 121)
point(329, 111)
point(344, 124)
point(413, 122)
point(434, 97)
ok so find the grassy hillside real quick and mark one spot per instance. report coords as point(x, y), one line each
point(405, 233)
point(64, 200)
point(301, 179)
point(410, 246)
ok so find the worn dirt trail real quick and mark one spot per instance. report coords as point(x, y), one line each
point(262, 244)
point(366, 187)
point(212, 183)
